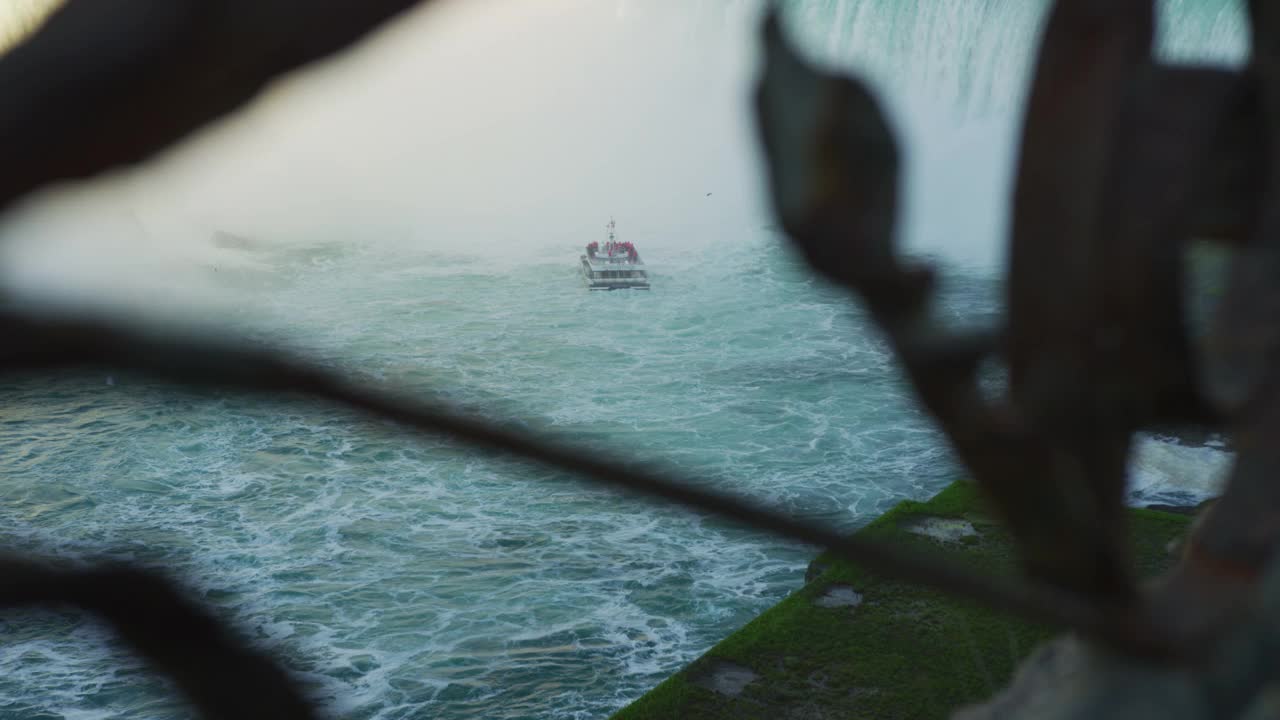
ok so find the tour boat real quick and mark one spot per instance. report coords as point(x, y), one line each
point(614, 265)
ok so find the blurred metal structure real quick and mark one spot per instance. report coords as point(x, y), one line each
point(1123, 162)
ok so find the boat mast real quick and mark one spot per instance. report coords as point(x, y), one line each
point(610, 226)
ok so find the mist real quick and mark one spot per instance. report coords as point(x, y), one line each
point(520, 126)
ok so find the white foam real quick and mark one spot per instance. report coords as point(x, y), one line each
point(1161, 470)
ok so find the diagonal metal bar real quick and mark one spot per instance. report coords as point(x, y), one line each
point(52, 343)
point(217, 672)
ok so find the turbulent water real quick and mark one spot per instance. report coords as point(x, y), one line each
point(402, 577)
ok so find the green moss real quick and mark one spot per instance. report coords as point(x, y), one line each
point(905, 652)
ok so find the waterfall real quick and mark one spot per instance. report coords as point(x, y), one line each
point(975, 55)
point(952, 75)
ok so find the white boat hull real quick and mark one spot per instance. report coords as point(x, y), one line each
point(604, 275)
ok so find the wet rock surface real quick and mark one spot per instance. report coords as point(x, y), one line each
point(726, 678)
point(942, 529)
point(838, 596)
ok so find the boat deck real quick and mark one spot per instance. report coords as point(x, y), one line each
point(614, 265)
point(614, 273)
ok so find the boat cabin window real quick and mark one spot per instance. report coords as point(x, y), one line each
point(616, 274)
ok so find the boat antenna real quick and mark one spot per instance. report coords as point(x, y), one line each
point(610, 226)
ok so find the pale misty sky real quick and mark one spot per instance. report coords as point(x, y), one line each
point(523, 122)
point(18, 17)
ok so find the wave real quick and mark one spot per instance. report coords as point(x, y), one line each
point(1167, 470)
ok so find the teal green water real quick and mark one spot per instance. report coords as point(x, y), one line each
point(403, 577)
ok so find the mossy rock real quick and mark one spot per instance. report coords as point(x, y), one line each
point(902, 652)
